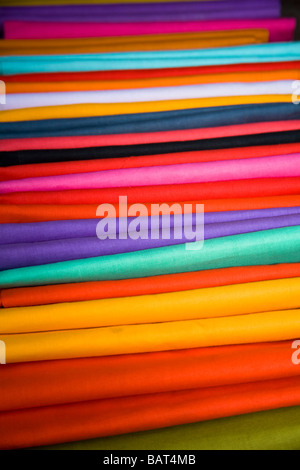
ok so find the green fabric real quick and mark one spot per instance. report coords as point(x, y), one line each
point(259, 248)
point(268, 430)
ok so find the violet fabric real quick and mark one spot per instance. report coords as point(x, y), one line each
point(67, 229)
point(146, 12)
point(26, 254)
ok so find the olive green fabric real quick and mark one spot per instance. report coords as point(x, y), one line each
point(268, 430)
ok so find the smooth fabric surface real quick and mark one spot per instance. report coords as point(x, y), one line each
point(180, 80)
point(280, 29)
point(30, 296)
point(266, 247)
point(52, 425)
point(160, 13)
point(111, 341)
point(67, 168)
point(65, 229)
point(65, 155)
point(31, 100)
point(142, 60)
point(205, 10)
point(108, 377)
point(201, 192)
point(152, 73)
point(267, 430)
point(134, 43)
point(21, 255)
point(282, 166)
point(177, 136)
point(152, 122)
point(241, 299)
point(10, 213)
point(111, 109)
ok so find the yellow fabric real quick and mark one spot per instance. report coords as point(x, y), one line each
point(255, 328)
point(157, 42)
point(214, 302)
point(90, 110)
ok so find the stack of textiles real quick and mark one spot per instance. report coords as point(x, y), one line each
point(124, 324)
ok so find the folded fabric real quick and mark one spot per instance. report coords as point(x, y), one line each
point(156, 42)
point(177, 136)
point(215, 90)
point(40, 253)
point(119, 376)
point(258, 248)
point(128, 339)
point(142, 60)
point(281, 166)
point(22, 157)
point(268, 430)
point(169, 14)
point(67, 168)
point(111, 109)
point(10, 214)
point(225, 301)
point(151, 122)
point(116, 75)
point(30, 296)
point(56, 424)
point(280, 29)
point(28, 86)
point(201, 192)
point(67, 229)
point(181, 10)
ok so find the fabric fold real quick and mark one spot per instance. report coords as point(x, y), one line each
point(258, 248)
point(46, 295)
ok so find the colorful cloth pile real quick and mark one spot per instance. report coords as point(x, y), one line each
point(149, 225)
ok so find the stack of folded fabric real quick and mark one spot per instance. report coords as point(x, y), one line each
point(134, 339)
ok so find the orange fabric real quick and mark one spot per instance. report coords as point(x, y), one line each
point(155, 42)
point(29, 296)
point(40, 213)
point(108, 417)
point(136, 374)
point(93, 85)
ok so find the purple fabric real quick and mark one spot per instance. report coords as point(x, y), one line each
point(65, 229)
point(177, 11)
point(33, 254)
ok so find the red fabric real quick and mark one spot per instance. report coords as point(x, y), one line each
point(65, 168)
point(132, 74)
point(166, 193)
point(108, 417)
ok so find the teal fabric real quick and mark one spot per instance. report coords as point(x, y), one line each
point(258, 248)
point(272, 52)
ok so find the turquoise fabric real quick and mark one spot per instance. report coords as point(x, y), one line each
point(258, 248)
point(273, 52)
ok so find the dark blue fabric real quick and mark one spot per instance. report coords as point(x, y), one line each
point(152, 122)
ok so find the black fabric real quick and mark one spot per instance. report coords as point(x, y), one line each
point(63, 155)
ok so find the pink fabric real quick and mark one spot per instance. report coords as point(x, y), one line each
point(264, 167)
point(41, 143)
point(281, 30)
